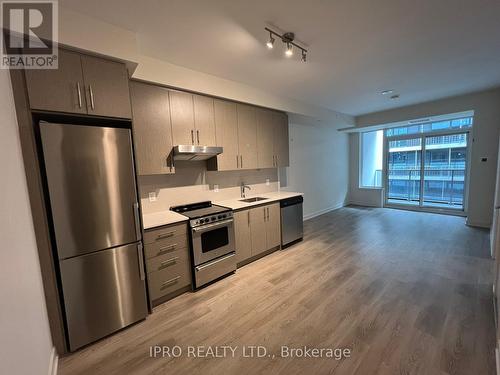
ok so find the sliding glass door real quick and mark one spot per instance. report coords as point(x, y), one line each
point(404, 160)
point(445, 171)
point(427, 171)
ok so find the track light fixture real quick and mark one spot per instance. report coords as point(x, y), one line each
point(288, 40)
point(270, 42)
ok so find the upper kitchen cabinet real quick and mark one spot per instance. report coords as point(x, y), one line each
point(247, 136)
point(226, 128)
point(204, 120)
point(59, 90)
point(265, 138)
point(281, 146)
point(106, 84)
point(182, 113)
point(193, 119)
point(152, 129)
point(83, 85)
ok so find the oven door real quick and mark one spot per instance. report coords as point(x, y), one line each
point(212, 241)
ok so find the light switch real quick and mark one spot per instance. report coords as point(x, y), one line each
point(216, 188)
point(152, 196)
point(267, 182)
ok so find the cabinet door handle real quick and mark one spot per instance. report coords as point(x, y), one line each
point(168, 282)
point(264, 214)
point(168, 262)
point(165, 235)
point(166, 249)
point(198, 136)
point(192, 136)
point(237, 162)
point(79, 95)
point(241, 161)
point(248, 217)
point(267, 213)
point(91, 92)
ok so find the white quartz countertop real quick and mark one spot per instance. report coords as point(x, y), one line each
point(236, 204)
point(157, 219)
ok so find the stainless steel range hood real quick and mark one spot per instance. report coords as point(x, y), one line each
point(190, 152)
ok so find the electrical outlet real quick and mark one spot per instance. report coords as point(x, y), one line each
point(216, 188)
point(152, 196)
point(267, 182)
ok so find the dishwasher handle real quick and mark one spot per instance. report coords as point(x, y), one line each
point(292, 201)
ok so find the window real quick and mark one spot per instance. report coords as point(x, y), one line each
point(458, 123)
point(371, 157)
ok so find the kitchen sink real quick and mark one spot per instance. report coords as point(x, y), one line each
point(254, 199)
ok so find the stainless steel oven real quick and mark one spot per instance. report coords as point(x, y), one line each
point(211, 241)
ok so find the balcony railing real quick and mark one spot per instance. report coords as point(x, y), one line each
point(441, 186)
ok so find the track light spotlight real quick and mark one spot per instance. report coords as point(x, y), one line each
point(304, 56)
point(270, 42)
point(289, 50)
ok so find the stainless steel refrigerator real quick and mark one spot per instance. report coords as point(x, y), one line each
point(94, 207)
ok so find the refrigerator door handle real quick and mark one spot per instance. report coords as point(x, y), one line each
point(137, 223)
point(140, 258)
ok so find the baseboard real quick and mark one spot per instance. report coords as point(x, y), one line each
point(323, 211)
point(54, 361)
point(363, 204)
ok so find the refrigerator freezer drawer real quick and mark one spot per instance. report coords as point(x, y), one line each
point(103, 292)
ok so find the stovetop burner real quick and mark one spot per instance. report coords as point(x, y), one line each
point(204, 211)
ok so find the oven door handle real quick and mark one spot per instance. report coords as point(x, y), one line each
point(206, 227)
point(218, 260)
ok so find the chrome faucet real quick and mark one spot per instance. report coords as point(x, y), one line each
point(242, 189)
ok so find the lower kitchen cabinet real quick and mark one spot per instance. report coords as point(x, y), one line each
point(257, 230)
point(243, 236)
point(273, 226)
point(167, 261)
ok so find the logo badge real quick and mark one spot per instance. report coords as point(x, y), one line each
point(30, 35)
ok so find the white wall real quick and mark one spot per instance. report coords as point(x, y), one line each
point(319, 166)
point(371, 157)
point(486, 129)
point(26, 345)
point(362, 196)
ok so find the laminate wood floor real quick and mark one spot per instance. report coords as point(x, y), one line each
point(406, 292)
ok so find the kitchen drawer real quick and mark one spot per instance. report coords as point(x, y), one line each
point(165, 233)
point(166, 246)
point(168, 260)
point(169, 280)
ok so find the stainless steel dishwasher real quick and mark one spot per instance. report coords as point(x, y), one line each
point(292, 224)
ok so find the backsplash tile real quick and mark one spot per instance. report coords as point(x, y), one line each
point(192, 183)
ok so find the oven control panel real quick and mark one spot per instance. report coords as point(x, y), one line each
point(211, 219)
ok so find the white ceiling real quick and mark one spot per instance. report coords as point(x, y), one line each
point(424, 49)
